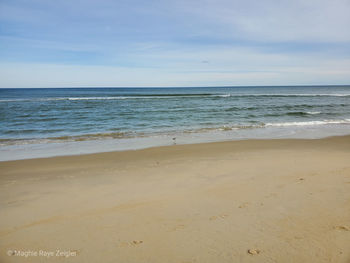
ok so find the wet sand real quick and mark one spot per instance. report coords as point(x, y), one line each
point(239, 201)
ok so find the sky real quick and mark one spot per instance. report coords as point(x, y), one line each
point(138, 43)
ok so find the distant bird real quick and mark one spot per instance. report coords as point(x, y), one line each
point(174, 140)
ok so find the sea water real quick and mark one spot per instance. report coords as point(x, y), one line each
point(60, 121)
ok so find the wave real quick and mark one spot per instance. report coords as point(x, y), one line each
point(284, 95)
point(68, 138)
point(301, 113)
point(58, 99)
point(298, 108)
point(143, 96)
point(263, 125)
point(225, 128)
point(93, 136)
point(308, 123)
point(278, 124)
point(124, 135)
point(313, 112)
point(160, 96)
point(298, 95)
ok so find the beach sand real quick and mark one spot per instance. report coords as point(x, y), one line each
point(282, 200)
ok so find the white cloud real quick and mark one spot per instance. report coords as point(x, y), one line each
point(185, 68)
point(165, 43)
point(297, 20)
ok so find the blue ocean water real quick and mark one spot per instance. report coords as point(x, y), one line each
point(29, 115)
point(60, 115)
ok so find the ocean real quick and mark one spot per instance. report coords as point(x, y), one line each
point(59, 121)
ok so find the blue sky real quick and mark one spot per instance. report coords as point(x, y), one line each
point(173, 43)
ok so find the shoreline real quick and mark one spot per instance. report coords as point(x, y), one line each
point(272, 141)
point(72, 148)
point(280, 200)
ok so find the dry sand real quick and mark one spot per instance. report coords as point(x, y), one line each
point(241, 201)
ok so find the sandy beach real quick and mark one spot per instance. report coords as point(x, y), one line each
point(282, 200)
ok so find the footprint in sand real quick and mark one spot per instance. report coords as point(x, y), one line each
point(343, 228)
point(178, 227)
point(137, 242)
point(222, 216)
point(253, 251)
point(244, 205)
point(132, 243)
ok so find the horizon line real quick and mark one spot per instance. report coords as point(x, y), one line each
point(174, 87)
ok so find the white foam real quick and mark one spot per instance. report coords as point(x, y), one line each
point(163, 97)
point(308, 123)
point(293, 95)
point(94, 98)
point(98, 98)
